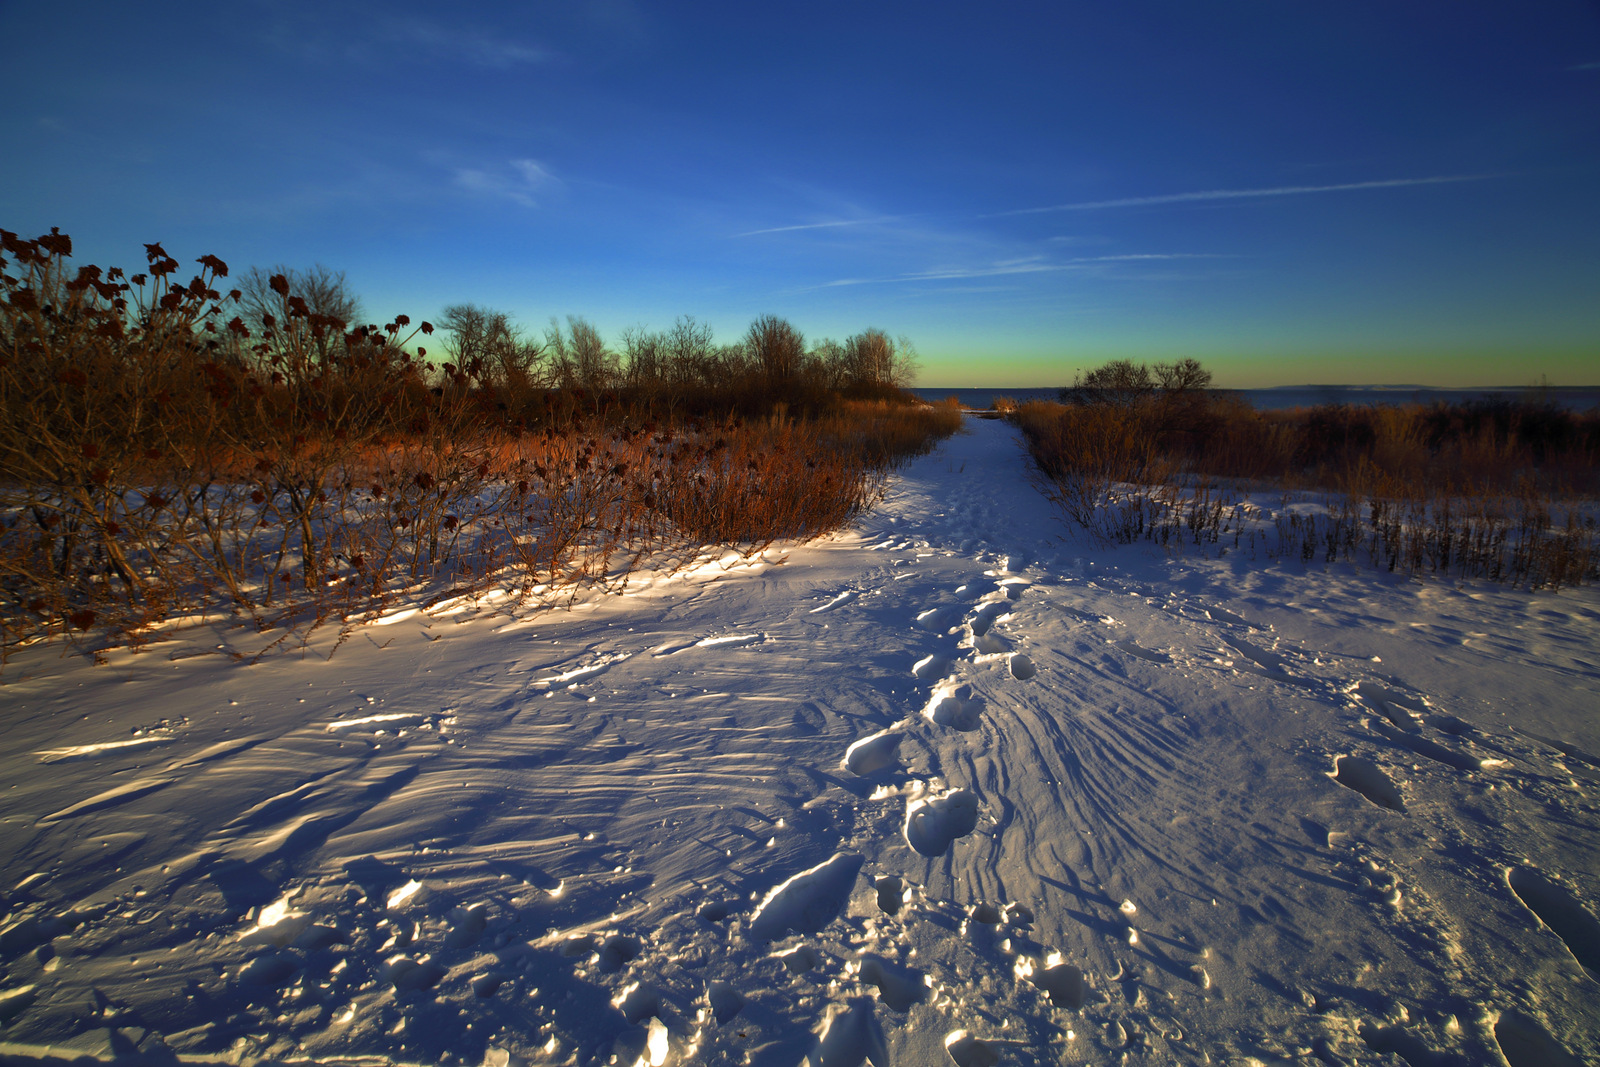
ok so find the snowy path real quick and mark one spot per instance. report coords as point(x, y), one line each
point(949, 788)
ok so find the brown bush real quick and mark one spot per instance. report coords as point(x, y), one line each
point(158, 453)
point(1489, 489)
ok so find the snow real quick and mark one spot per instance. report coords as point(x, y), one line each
point(951, 787)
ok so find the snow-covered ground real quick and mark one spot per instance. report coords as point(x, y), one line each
point(951, 787)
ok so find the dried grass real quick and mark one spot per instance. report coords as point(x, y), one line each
point(156, 460)
point(1492, 490)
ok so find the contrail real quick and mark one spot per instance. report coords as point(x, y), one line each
point(1244, 194)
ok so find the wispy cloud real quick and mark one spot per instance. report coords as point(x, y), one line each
point(440, 41)
point(834, 224)
point(1585, 66)
point(1244, 194)
point(349, 36)
point(1030, 265)
point(1135, 256)
point(941, 274)
point(517, 181)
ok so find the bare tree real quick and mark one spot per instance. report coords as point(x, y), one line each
point(268, 312)
point(829, 363)
point(872, 360)
point(487, 338)
point(777, 349)
point(579, 358)
point(691, 357)
point(907, 363)
point(1121, 383)
point(1183, 376)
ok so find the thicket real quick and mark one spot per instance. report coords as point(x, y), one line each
point(1497, 488)
point(171, 448)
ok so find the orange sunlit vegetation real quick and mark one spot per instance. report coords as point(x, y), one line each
point(173, 445)
point(1497, 488)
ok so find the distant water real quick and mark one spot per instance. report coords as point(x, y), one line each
point(1297, 396)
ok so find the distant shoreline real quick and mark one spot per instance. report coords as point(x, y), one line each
point(1578, 398)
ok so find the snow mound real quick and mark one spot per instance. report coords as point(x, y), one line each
point(808, 901)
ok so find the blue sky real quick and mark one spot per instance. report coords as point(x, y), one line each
point(1360, 192)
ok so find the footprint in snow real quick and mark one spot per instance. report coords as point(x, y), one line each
point(968, 1051)
point(411, 975)
point(1397, 1041)
point(985, 617)
point(1267, 664)
point(1524, 1043)
point(932, 666)
point(1397, 707)
point(1562, 912)
point(1450, 757)
point(986, 914)
point(487, 984)
point(899, 987)
point(932, 825)
point(891, 893)
point(850, 1036)
point(955, 706)
point(1224, 615)
point(1138, 651)
point(273, 970)
point(725, 1001)
point(800, 959)
point(1368, 779)
point(713, 911)
point(617, 951)
point(989, 644)
point(1062, 982)
point(873, 753)
point(1014, 587)
point(976, 589)
point(467, 926)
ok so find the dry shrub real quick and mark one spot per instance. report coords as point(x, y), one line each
point(1490, 489)
point(159, 458)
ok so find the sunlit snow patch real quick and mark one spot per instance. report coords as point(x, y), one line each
point(730, 641)
point(77, 752)
point(835, 602)
point(395, 616)
point(579, 675)
point(411, 892)
point(395, 718)
point(277, 924)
